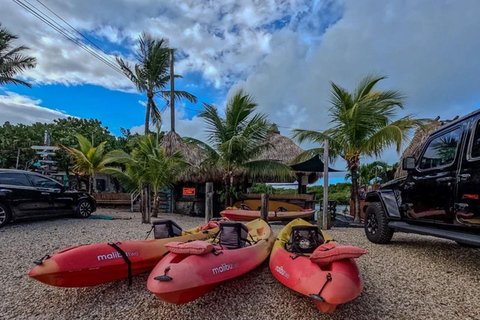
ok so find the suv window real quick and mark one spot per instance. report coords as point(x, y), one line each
point(475, 152)
point(14, 179)
point(442, 150)
point(41, 182)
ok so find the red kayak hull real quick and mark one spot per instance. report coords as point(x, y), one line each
point(249, 215)
point(192, 276)
point(94, 264)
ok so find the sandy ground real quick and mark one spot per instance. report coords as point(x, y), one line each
point(415, 277)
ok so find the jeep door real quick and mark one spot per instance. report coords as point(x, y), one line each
point(432, 185)
point(467, 204)
point(48, 190)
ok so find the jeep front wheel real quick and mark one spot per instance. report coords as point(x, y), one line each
point(376, 224)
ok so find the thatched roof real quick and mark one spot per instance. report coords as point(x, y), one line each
point(283, 149)
point(194, 155)
point(421, 134)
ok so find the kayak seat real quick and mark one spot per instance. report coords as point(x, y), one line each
point(281, 209)
point(244, 207)
point(233, 235)
point(165, 228)
point(304, 239)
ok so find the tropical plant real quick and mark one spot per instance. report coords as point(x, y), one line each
point(89, 160)
point(148, 164)
point(236, 141)
point(373, 172)
point(151, 75)
point(12, 60)
point(363, 125)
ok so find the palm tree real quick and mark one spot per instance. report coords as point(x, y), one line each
point(12, 61)
point(236, 141)
point(375, 172)
point(363, 125)
point(88, 159)
point(151, 75)
point(148, 163)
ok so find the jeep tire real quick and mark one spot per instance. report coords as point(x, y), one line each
point(376, 224)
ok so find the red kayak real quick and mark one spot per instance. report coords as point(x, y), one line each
point(329, 284)
point(94, 264)
point(181, 278)
point(249, 215)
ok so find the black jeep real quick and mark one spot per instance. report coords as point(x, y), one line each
point(440, 196)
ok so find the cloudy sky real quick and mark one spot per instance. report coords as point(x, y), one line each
point(284, 53)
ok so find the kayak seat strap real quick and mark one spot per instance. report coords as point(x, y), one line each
point(126, 259)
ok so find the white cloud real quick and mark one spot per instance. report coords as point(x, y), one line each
point(429, 50)
point(16, 108)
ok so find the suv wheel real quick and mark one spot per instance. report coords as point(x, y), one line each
point(84, 209)
point(5, 215)
point(376, 224)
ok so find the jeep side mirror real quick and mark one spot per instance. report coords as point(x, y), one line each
point(408, 163)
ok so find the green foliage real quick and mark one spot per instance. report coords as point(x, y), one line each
point(12, 60)
point(62, 133)
point(237, 140)
point(152, 75)
point(339, 192)
point(363, 125)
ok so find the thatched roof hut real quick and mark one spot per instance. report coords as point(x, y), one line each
point(283, 149)
point(421, 134)
point(172, 142)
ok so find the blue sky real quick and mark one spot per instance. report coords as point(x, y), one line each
point(283, 53)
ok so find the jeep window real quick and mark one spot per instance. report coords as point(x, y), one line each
point(14, 179)
point(475, 151)
point(41, 182)
point(441, 151)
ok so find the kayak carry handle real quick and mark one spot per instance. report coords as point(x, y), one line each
point(164, 277)
point(318, 296)
point(39, 262)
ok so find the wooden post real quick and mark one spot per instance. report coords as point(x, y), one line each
point(326, 219)
point(172, 92)
point(208, 201)
point(264, 210)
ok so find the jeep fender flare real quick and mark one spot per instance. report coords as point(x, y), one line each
point(388, 200)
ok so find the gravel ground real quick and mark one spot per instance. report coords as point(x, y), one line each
point(415, 277)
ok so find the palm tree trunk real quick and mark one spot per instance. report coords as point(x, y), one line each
point(156, 205)
point(147, 114)
point(356, 203)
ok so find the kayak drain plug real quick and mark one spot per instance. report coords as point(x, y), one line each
point(39, 262)
point(164, 277)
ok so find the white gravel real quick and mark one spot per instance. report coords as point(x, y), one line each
point(415, 277)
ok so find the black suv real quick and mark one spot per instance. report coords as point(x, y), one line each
point(26, 194)
point(440, 196)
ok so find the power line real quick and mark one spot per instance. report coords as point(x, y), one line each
point(84, 36)
point(54, 25)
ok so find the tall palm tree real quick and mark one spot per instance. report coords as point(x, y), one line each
point(12, 61)
point(89, 160)
point(363, 125)
point(148, 163)
point(151, 75)
point(236, 141)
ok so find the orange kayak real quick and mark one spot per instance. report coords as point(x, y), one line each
point(328, 286)
point(181, 278)
point(248, 215)
point(94, 264)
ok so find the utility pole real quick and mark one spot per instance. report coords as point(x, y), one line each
point(264, 209)
point(209, 202)
point(326, 213)
point(18, 158)
point(172, 92)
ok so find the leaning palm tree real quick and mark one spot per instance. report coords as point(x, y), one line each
point(151, 75)
point(363, 125)
point(148, 164)
point(236, 142)
point(89, 160)
point(12, 61)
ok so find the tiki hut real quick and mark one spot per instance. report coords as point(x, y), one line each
point(286, 150)
point(421, 134)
